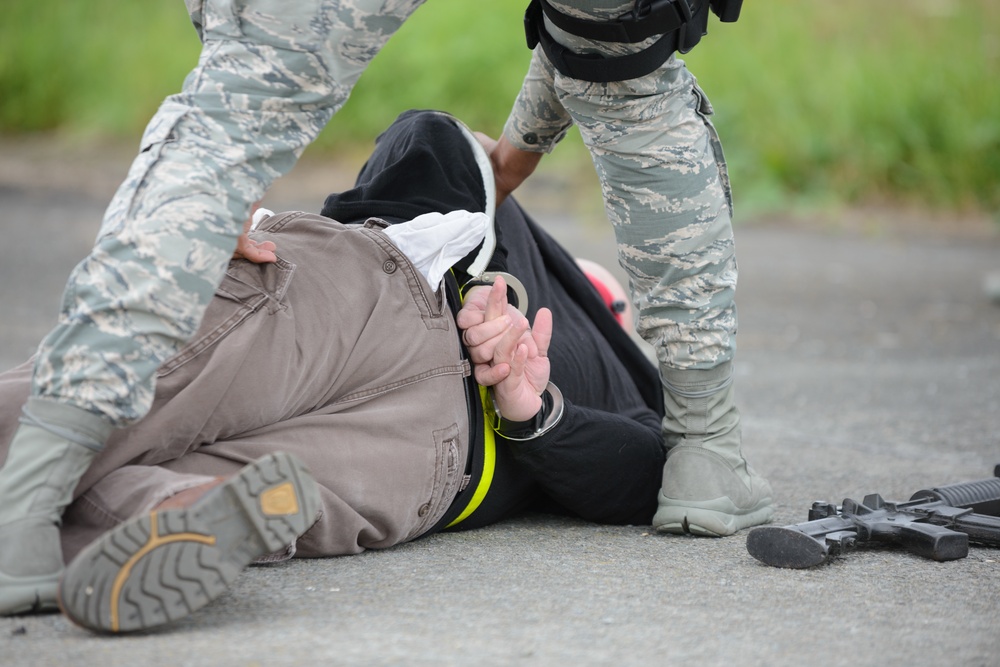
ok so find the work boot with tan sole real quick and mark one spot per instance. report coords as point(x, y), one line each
point(165, 565)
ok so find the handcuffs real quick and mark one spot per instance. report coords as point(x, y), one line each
point(551, 412)
point(546, 419)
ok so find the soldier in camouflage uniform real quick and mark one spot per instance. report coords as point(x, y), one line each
point(667, 194)
point(270, 76)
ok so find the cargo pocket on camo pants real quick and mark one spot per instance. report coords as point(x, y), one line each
point(705, 110)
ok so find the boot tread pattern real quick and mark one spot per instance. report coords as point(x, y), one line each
point(162, 567)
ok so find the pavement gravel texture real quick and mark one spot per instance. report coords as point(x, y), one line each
point(869, 362)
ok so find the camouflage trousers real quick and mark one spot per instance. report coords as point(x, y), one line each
point(666, 192)
point(270, 76)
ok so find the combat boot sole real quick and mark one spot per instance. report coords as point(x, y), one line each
point(163, 566)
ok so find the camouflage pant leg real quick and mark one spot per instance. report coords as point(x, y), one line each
point(270, 76)
point(667, 195)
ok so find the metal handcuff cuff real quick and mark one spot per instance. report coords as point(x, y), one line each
point(545, 420)
point(552, 408)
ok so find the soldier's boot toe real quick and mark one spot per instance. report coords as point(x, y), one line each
point(30, 566)
point(703, 493)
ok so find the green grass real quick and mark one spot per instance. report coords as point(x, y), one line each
point(903, 102)
point(848, 102)
point(90, 66)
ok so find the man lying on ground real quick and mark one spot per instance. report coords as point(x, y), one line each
point(341, 358)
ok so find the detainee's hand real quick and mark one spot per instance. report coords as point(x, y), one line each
point(519, 395)
point(507, 354)
point(484, 318)
point(261, 252)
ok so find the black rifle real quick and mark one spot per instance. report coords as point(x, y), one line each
point(935, 523)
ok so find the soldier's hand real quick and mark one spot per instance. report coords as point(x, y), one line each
point(258, 252)
point(511, 166)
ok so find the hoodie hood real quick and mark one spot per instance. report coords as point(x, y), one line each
point(426, 161)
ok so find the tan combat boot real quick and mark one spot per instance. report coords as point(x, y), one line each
point(52, 448)
point(708, 487)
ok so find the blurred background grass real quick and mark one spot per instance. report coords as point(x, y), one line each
point(839, 103)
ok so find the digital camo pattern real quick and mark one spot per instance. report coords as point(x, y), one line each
point(270, 76)
point(665, 186)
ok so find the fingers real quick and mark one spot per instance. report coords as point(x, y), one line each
point(475, 305)
point(507, 346)
point(253, 251)
point(541, 331)
point(500, 341)
point(484, 318)
point(516, 398)
point(469, 316)
point(519, 367)
point(490, 375)
point(496, 303)
point(476, 336)
point(256, 252)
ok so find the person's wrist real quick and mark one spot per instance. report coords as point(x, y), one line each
point(544, 420)
point(512, 165)
point(523, 412)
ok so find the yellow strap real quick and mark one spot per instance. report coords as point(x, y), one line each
point(489, 461)
point(489, 446)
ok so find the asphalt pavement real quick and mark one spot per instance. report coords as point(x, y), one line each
point(869, 361)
